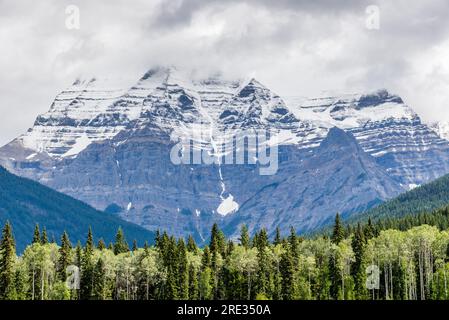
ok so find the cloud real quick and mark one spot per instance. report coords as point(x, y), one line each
point(294, 47)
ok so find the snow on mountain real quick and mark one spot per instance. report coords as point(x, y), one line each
point(385, 127)
point(441, 128)
point(108, 142)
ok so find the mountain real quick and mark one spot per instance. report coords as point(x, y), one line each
point(338, 177)
point(387, 129)
point(441, 128)
point(426, 198)
point(24, 203)
point(110, 144)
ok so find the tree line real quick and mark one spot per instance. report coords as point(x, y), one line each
point(410, 264)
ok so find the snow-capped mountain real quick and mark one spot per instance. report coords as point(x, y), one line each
point(441, 128)
point(109, 143)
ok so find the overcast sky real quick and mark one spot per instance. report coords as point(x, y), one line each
point(295, 47)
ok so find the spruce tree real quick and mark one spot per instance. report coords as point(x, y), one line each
point(183, 272)
point(244, 237)
point(7, 260)
point(217, 251)
point(37, 234)
point(191, 245)
point(172, 283)
point(87, 268)
point(44, 237)
point(193, 283)
point(120, 245)
point(357, 268)
point(369, 230)
point(277, 237)
point(206, 258)
point(101, 245)
point(135, 247)
point(293, 241)
point(287, 272)
point(64, 256)
point(263, 275)
point(338, 232)
point(99, 280)
point(217, 240)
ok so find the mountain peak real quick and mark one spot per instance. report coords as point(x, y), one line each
point(339, 138)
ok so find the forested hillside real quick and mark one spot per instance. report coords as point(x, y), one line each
point(24, 203)
point(426, 198)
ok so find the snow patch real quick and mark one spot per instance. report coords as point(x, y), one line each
point(413, 186)
point(129, 207)
point(80, 144)
point(228, 206)
point(31, 156)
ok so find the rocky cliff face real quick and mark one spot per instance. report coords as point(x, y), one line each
point(111, 147)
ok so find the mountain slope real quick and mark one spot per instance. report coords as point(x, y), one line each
point(426, 198)
point(306, 194)
point(24, 203)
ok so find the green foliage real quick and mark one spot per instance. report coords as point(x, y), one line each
point(120, 245)
point(7, 260)
point(413, 264)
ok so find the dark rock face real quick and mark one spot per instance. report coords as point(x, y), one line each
point(135, 173)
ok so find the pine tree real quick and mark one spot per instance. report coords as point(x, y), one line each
point(369, 230)
point(262, 260)
point(338, 233)
point(44, 238)
point(277, 237)
point(334, 276)
point(191, 245)
point(217, 251)
point(206, 258)
point(64, 256)
point(135, 247)
point(193, 283)
point(7, 260)
point(183, 272)
point(37, 234)
point(229, 248)
point(168, 249)
point(287, 272)
point(86, 284)
point(244, 237)
point(99, 280)
point(79, 254)
point(120, 245)
point(217, 240)
point(357, 268)
point(101, 245)
point(157, 239)
point(171, 291)
point(293, 241)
